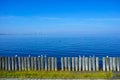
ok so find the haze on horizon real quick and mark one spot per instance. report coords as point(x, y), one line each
point(60, 17)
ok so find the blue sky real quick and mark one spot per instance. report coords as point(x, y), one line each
point(60, 17)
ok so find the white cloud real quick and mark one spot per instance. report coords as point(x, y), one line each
point(58, 18)
point(103, 19)
point(30, 17)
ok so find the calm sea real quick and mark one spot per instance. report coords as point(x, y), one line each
point(24, 45)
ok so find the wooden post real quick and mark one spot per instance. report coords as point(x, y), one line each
point(38, 62)
point(111, 67)
point(52, 63)
point(103, 63)
point(62, 64)
point(6, 64)
point(90, 63)
point(93, 63)
point(24, 58)
point(3, 63)
point(49, 64)
point(55, 64)
point(118, 63)
point(12, 63)
point(19, 63)
point(76, 63)
point(28, 63)
point(45, 63)
point(97, 64)
point(0, 63)
point(34, 62)
point(65, 60)
point(22, 61)
point(86, 63)
point(79, 63)
point(16, 63)
point(9, 66)
point(83, 63)
point(42, 63)
point(107, 63)
point(73, 63)
point(114, 64)
point(69, 67)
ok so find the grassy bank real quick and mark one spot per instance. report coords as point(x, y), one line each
point(55, 74)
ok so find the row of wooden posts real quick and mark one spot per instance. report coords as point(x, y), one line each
point(66, 63)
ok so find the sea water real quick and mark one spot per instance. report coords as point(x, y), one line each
point(25, 45)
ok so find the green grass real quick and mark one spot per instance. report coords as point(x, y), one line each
point(118, 74)
point(55, 74)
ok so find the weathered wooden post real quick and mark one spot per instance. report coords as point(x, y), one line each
point(46, 63)
point(93, 63)
point(55, 64)
point(76, 63)
point(19, 63)
point(32, 63)
point(3, 63)
point(79, 63)
point(65, 60)
point(90, 63)
point(12, 63)
point(35, 65)
point(111, 67)
point(97, 64)
point(28, 63)
point(83, 63)
point(118, 63)
point(69, 67)
point(86, 63)
point(114, 64)
point(38, 60)
point(62, 64)
point(73, 64)
point(52, 63)
point(42, 62)
point(16, 63)
point(6, 64)
point(103, 63)
point(9, 66)
point(0, 63)
point(107, 63)
point(23, 64)
point(49, 64)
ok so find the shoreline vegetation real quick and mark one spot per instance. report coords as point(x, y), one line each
point(58, 74)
